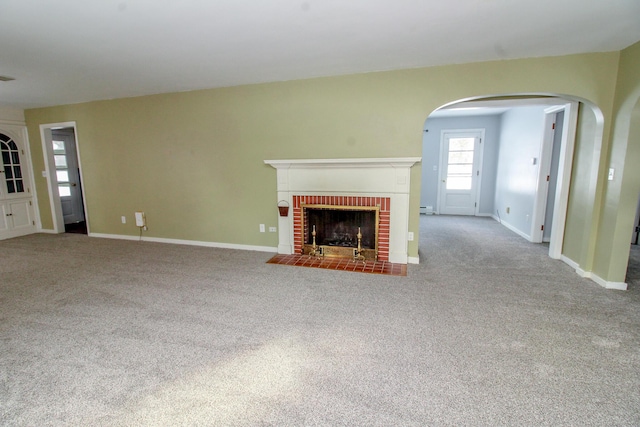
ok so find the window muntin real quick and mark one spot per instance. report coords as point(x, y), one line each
point(460, 164)
point(12, 169)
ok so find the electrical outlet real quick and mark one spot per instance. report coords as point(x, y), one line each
point(272, 229)
point(410, 236)
point(123, 219)
point(262, 228)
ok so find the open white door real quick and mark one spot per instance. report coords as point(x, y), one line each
point(67, 174)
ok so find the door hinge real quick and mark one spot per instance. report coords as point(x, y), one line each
point(477, 173)
point(542, 227)
point(22, 151)
point(547, 178)
point(30, 203)
point(33, 222)
point(553, 126)
point(637, 229)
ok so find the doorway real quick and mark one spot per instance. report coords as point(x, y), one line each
point(64, 171)
point(552, 176)
point(65, 158)
point(500, 185)
point(460, 172)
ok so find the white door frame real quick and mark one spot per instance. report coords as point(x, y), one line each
point(565, 163)
point(479, 153)
point(50, 171)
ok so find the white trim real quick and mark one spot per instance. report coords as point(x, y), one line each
point(621, 286)
point(47, 231)
point(512, 228)
point(544, 170)
point(375, 177)
point(54, 198)
point(341, 163)
point(565, 165)
point(413, 260)
point(18, 131)
point(571, 263)
point(186, 242)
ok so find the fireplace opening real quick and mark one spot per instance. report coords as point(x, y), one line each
point(341, 231)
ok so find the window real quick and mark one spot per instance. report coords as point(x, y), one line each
point(460, 164)
point(62, 171)
point(11, 163)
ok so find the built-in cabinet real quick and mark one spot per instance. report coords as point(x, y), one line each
point(16, 196)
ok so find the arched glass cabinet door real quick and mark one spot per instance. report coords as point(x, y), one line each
point(11, 171)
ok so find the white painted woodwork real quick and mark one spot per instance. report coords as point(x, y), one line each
point(17, 209)
point(372, 177)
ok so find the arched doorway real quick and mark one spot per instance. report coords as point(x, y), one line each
point(487, 114)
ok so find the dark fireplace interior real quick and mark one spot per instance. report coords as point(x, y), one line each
point(339, 227)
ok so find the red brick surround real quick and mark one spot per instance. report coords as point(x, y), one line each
point(383, 229)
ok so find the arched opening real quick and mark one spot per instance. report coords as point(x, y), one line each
point(520, 179)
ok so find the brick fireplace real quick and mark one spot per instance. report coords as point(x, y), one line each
point(383, 204)
point(347, 182)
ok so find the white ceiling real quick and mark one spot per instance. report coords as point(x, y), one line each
point(69, 51)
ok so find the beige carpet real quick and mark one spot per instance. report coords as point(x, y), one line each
point(486, 331)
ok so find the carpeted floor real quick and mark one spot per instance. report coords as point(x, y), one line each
point(486, 331)
point(633, 269)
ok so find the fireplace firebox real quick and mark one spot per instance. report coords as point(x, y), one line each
point(340, 231)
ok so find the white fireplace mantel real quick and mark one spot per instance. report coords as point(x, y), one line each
point(372, 177)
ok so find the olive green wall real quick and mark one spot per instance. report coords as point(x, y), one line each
point(580, 209)
point(621, 194)
point(193, 161)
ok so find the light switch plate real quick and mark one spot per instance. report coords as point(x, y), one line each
point(140, 221)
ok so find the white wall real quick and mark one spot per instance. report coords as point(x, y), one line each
point(521, 135)
point(11, 115)
point(431, 157)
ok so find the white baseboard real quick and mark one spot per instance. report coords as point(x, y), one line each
point(512, 228)
point(592, 276)
point(621, 286)
point(187, 242)
point(47, 231)
point(571, 263)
